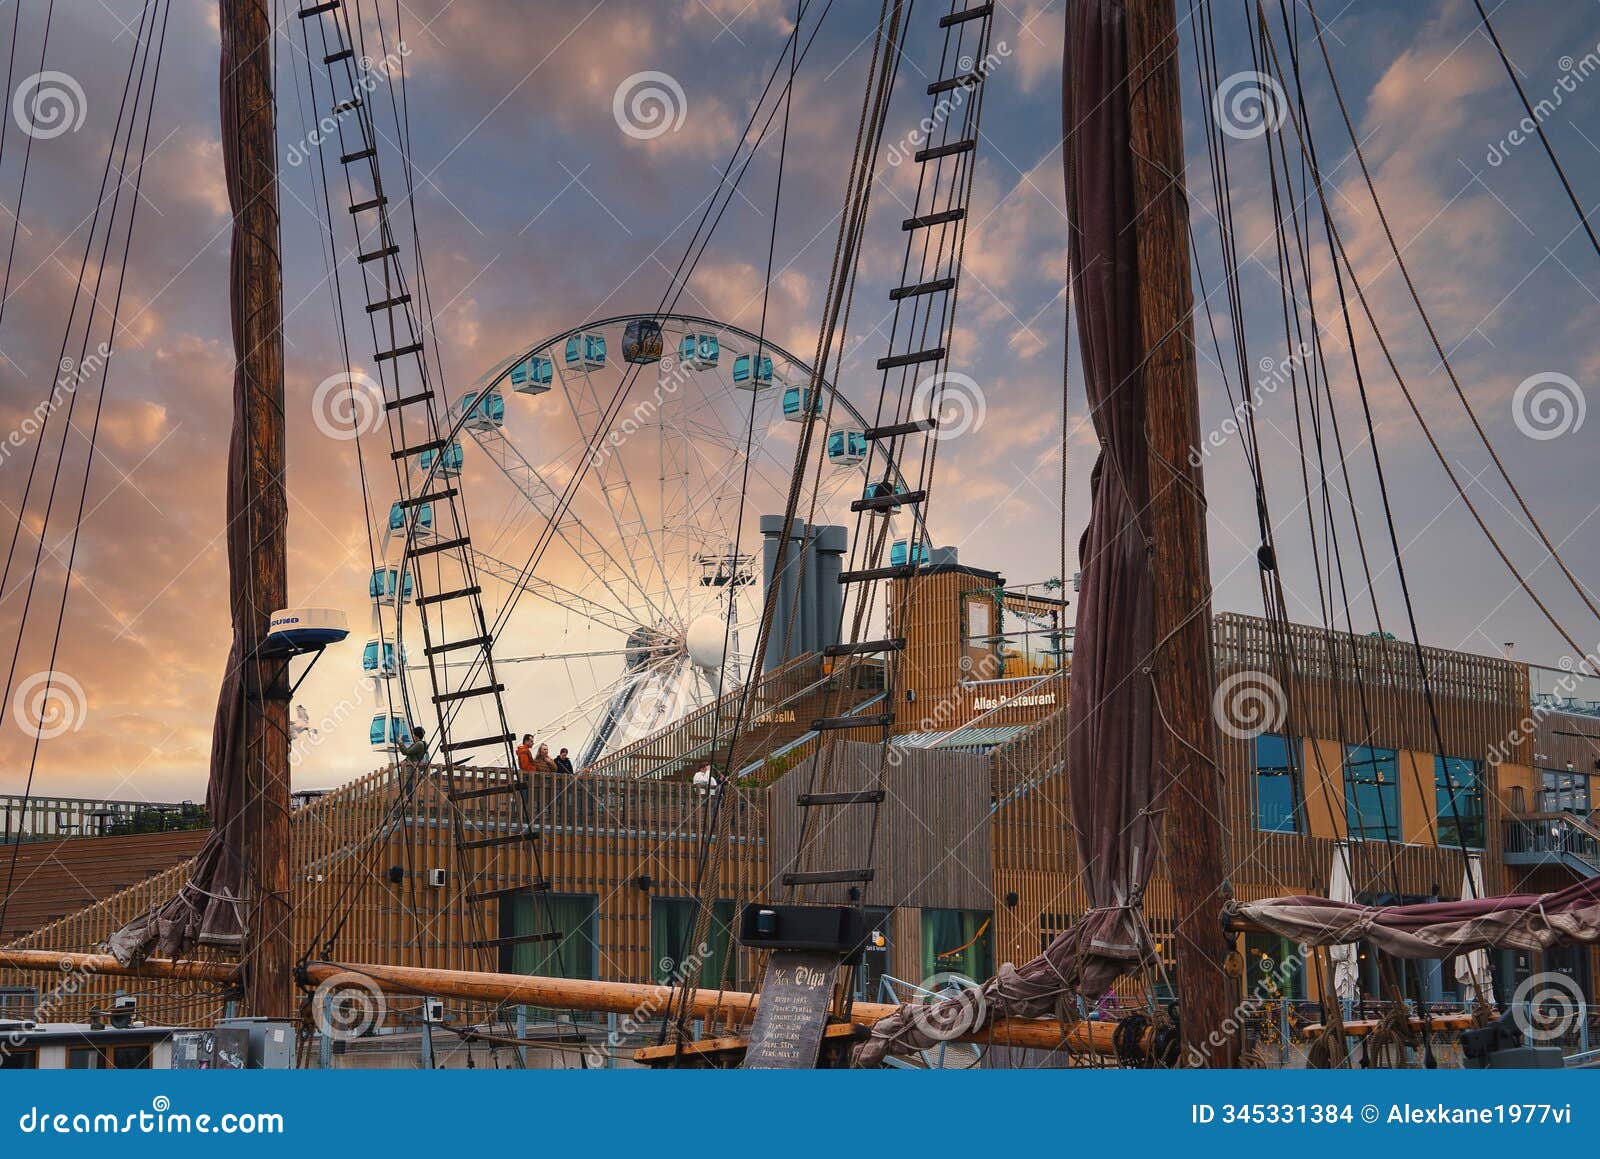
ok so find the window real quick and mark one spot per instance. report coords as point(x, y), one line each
point(19, 1060)
point(1277, 768)
point(672, 921)
point(1371, 793)
point(575, 953)
point(83, 1058)
point(957, 941)
point(1567, 792)
point(1275, 968)
point(18, 1001)
point(129, 1057)
point(1458, 791)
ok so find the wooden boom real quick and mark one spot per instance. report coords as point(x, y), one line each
point(646, 1002)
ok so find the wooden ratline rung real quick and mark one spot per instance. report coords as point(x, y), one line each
point(430, 497)
point(397, 352)
point(942, 217)
point(866, 575)
point(453, 594)
point(458, 645)
point(900, 293)
point(976, 12)
point(408, 400)
point(935, 152)
point(335, 58)
point(439, 545)
point(389, 303)
point(349, 106)
point(868, 797)
point(870, 720)
point(508, 891)
point(508, 839)
point(481, 742)
point(358, 155)
point(895, 430)
point(375, 203)
point(865, 647)
point(318, 9)
point(469, 693)
point(888, 502)
point(828, 877)
point(964, 80)
point(419, 448)
point(895, 361)
point(386, 252)
point(504, 789)
point(514, 940)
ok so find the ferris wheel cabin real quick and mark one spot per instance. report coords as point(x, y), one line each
point(797, 400)
point(450, 466)
point(699, 351)
point(847, 447)
point(420, 516)
point(749, 375)
point(388, 732)
point(586, 351)
point(641, 341)
point(379, 658)
point(484, 413)
point(532, 375)
point(385, 583)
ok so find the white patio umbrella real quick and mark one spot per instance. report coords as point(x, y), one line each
point(1343, 955)
point(1472, 969)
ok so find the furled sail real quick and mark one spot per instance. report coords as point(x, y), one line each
point(209, 908)
point(1441, 929)
point(1113, 776)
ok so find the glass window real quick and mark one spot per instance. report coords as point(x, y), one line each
point(957, 941)
point(83, 1058)
point(1458, 791)
point(672, 922)
point(1564, 792)
point(130, 1057)
point(19, 1060)
point(1371, 793)
point(575, 953)
point(1275, 967)
point(1277, 780)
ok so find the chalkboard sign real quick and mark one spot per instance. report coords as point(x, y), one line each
point(795, 996)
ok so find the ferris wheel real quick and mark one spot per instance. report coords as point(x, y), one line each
point(644, 511)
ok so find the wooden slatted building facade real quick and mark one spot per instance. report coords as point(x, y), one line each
point(967, 833)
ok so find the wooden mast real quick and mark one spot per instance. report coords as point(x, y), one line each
point(250, 141)
point(1184, 671)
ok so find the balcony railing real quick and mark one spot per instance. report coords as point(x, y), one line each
point(1538, 838)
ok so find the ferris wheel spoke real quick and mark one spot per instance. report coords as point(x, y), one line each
point(544, 498)
point(615, 485)
point(556, 594)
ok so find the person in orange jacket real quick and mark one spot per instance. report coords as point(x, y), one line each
point(525, 753)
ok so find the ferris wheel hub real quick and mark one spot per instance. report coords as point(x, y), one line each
point(707, 640)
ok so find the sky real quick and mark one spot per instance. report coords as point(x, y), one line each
point(540, 204)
